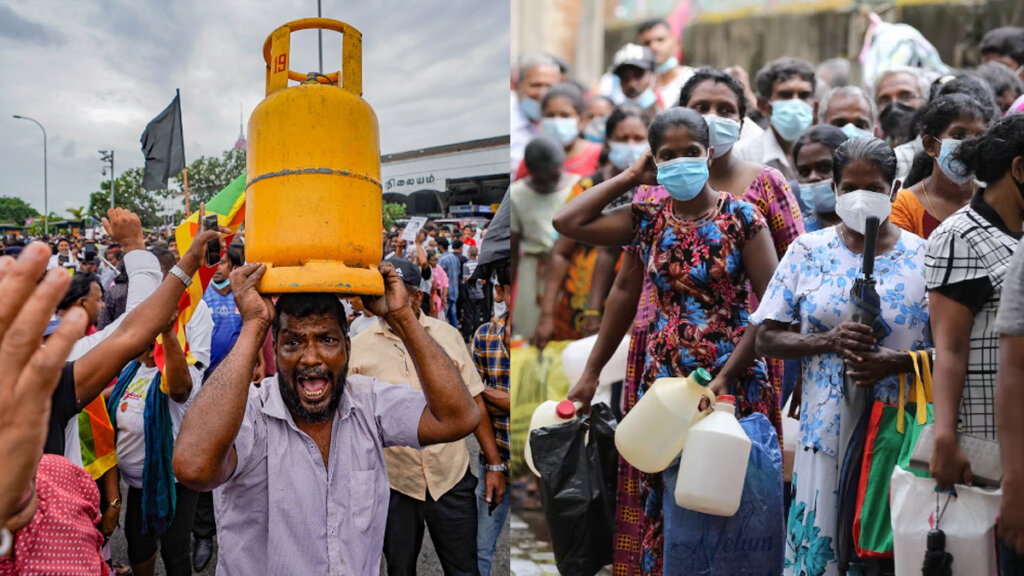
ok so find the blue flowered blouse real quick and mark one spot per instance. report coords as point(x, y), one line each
point(811, 287)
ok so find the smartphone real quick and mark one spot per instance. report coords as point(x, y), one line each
point(213, 246)
point(62, 259)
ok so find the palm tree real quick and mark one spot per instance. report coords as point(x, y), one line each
point(80, 213)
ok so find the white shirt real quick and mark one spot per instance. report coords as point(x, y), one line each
point(905, 154)
point(522, 130)
point(55, 262)
point(131, 429)
point(762, 150)
point(670, 92)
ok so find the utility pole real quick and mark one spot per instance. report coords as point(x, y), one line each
point(46, 196)
point(320, 37)
point(108, 157)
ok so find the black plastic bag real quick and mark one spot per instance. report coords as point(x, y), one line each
point(578, 483)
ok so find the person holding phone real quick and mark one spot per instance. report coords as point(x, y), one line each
point(63, 258)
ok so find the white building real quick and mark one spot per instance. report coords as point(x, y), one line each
point(462, 179)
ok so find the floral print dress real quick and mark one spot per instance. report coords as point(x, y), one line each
point(811, 287)
point(701, 293)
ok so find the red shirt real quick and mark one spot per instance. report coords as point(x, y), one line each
point(585, 163)
point(62, 537)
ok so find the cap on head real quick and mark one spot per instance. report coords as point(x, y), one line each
point(633, 55)
point(409, 272)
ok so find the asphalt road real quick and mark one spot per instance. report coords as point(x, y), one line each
point(428, 563)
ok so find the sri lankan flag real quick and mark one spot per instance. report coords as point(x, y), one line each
point(97, 439)
point(229, 206)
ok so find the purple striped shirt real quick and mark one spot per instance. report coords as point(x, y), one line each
point(282, 512)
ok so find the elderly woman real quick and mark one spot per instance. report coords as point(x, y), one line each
point(811, 288)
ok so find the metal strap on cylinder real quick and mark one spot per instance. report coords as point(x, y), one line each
point(277, 48)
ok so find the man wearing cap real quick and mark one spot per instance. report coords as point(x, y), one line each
point(432, 486)
point(631, 79)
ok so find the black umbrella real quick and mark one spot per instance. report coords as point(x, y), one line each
point(865, 308)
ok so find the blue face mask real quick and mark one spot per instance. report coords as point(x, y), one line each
point(819, 196)
point(667, 65)
point(724, 133)
point(791, 117)
point(852, 131)
point(530, 107)
point(564, 130)
point(684, 178)
point(623, 155)
point(952, 168)
point(645, 100)
point(221, 285)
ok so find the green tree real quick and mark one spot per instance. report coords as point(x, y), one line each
point(14, 210)
point(392, 212)
point(208, 175)
point(80, 213)
point(129, 194)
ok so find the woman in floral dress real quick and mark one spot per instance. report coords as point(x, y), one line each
point(811, 287)
point(698, 247)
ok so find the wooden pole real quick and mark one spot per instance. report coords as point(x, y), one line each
point(185, 174)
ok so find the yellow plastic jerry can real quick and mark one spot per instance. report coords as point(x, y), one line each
point(313, 193)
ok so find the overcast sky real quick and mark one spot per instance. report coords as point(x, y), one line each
point(94, 73)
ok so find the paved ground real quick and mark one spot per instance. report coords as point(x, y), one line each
point(428, 564)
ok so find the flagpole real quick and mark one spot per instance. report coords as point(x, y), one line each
point(185, 174)
point(184, 171)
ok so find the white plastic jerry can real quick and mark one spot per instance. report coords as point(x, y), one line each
point(653, 433)
point(547, 414)
point(713, 466)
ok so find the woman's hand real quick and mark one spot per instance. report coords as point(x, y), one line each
point(591, 324)
point(643, 171)
point(850, 340)
point(949, 464)
point(583, 390)
point(108, 523)
point(877, 365)
point(545, 331)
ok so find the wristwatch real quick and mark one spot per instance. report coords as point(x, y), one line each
point(185, 279)
point(495, 467)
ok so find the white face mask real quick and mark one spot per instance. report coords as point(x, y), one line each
point(855, 208)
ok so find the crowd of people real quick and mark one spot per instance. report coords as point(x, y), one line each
point(720, 223)
point(309, 433)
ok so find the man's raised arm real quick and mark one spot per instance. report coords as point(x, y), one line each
point(204, 454)
point(99, 366)
point(451, 413)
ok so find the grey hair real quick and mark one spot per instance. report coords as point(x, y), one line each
point(924, 82)
point(848, 91)
point(535, 61)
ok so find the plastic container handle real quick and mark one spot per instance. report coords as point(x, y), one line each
point(277, 47)
point(712, 400)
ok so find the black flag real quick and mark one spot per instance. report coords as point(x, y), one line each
point(164, 147)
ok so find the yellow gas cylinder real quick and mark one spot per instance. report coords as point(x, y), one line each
point(313, 194)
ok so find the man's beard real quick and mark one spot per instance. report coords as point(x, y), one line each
point(290, 394)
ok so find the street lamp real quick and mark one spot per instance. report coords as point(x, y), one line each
point(46, 199)
point(108, 156)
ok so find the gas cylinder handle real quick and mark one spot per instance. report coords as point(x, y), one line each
point(276, 53)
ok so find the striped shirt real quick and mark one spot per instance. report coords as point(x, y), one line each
point(283, 512)
point(967, 258)
point(492, 362)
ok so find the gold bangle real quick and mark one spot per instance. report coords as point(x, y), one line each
point(589, 312)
